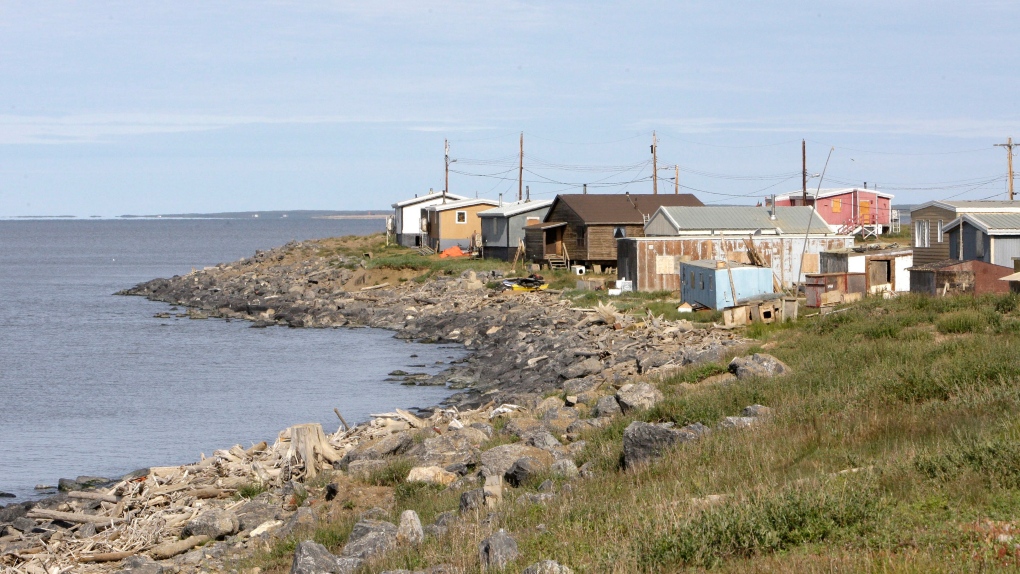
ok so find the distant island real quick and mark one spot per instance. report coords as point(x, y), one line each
point(293, 214)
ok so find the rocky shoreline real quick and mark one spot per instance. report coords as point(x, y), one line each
point(553, 371)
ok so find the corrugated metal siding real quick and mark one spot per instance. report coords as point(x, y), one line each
point(658, 225)
point(782, 254)
point(1006, 248)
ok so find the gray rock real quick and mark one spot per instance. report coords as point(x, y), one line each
point(212, 522)
point(460, 446)
point(652, 360)
point(565, 468)
point(738, 422)
point(68, 485)
point(547, 567)
point(535, 498)
point(312, 558)
point(542, 439)
point(370, 538)
point(390, 445)
point(472, 500)
point(496, 461)
point(643, 442)
point(589, 366)
point(557, 419)
point(607, 407)
point(301, 521)
point(410, 531)
point(578, 386)
point(497, 551)
point(140, 564)
point(756, 411)
point(637, 396)
point(524, 470)
point(758, 365)
point(255, 512)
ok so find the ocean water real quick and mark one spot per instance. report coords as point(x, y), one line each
point(94, 384)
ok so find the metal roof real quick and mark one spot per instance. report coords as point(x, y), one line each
point(789, 220)
point(831, 192)
point(427, 197)
point(990, 223)
point(624, 208)
point(515, 208)
point(972, 206)
point(462, 204)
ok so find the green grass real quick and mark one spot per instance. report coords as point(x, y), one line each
point(251, 490)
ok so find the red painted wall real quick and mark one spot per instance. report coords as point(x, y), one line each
point(879, 208)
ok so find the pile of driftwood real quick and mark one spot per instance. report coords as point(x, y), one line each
point(148, 514)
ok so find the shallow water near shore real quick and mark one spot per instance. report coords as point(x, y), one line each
point(92, 383)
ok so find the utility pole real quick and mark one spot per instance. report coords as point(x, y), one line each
point(1009, 161)
point(655, 173)
point(446, 186)
point(803, 164)
point(520, 172)
point(676, 189)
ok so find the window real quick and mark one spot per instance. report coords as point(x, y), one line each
point(701, 280)
point(921, 228)
point(837, 205)
point(691, 282)
point(461, 217)
point(582, 236)
point(938, 235)
point(619, 233)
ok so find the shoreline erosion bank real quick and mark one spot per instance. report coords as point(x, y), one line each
point(522, 348)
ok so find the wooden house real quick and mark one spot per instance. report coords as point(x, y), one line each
point(409, 216)
point(849, 210)
point(503, 226)
point(990, 237)
point(928, 222)
point(455, 223)
point(789, 244)
point(585, 228)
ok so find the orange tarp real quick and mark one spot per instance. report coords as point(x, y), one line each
point(454, 251)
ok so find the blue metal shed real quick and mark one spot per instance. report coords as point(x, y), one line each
point(708, 282)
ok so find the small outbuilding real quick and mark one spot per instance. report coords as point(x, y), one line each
point(990, 237)
point(410, 215)
point(718, 284)
point(953, 276)
point(883, 268)
point(503, 226)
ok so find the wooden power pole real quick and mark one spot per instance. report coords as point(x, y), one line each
point(676, 183)
point(803, 164)
point(1009, 162)
point(520, 172)
point(446, 186)
point(655, 172)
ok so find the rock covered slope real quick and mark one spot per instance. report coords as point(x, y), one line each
point(524, 344)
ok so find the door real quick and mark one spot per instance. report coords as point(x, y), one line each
point(554, 241)
point(864, 209)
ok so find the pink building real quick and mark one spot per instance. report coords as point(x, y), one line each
point(849, 210)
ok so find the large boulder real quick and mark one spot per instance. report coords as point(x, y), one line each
point(410, 531)
point(312, 558)
point(520, 427)
point(370, 538)
point(390, 445)
point(758, 365)
point(637, 396)
point(215, 523)
point(547, 567)
point(454, 447)
point(607, 407)
point(557, 419)
point(579, 386)
point(496, 461)
point(497, 551)
point(643, 442)
point(524, 470)
point(431, 474)
point(589, 366)
point(253, 513)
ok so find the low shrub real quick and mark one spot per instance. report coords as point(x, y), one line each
point(960, 322)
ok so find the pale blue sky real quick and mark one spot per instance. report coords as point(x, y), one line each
point(109, 108)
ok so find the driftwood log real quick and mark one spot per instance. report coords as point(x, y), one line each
point(107, 556)
point(171, 549)
point(73, 517)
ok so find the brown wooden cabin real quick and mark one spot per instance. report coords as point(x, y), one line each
point(583, 229)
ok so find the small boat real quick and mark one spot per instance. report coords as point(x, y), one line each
point(524, 284)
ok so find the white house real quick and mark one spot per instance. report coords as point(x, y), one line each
point(409, 216)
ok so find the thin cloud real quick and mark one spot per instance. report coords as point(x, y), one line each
point(949, 127)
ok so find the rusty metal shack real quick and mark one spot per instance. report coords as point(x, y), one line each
point(739, 234)
point(884, 267)
point(954, 276)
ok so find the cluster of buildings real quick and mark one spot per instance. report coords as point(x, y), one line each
point(723, 256)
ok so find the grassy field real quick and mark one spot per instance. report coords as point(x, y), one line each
point(894, 446)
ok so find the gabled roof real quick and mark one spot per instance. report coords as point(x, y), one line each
point(426, 197)
point(990, 223)
point(620, 209)
point(462, 204)
point(516, 208)
point(968, 206)
point(822, 194)
point(788, 220)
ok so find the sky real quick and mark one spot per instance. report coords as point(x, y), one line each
point(111, 108)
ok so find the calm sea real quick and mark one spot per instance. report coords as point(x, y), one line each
point(93, 384)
